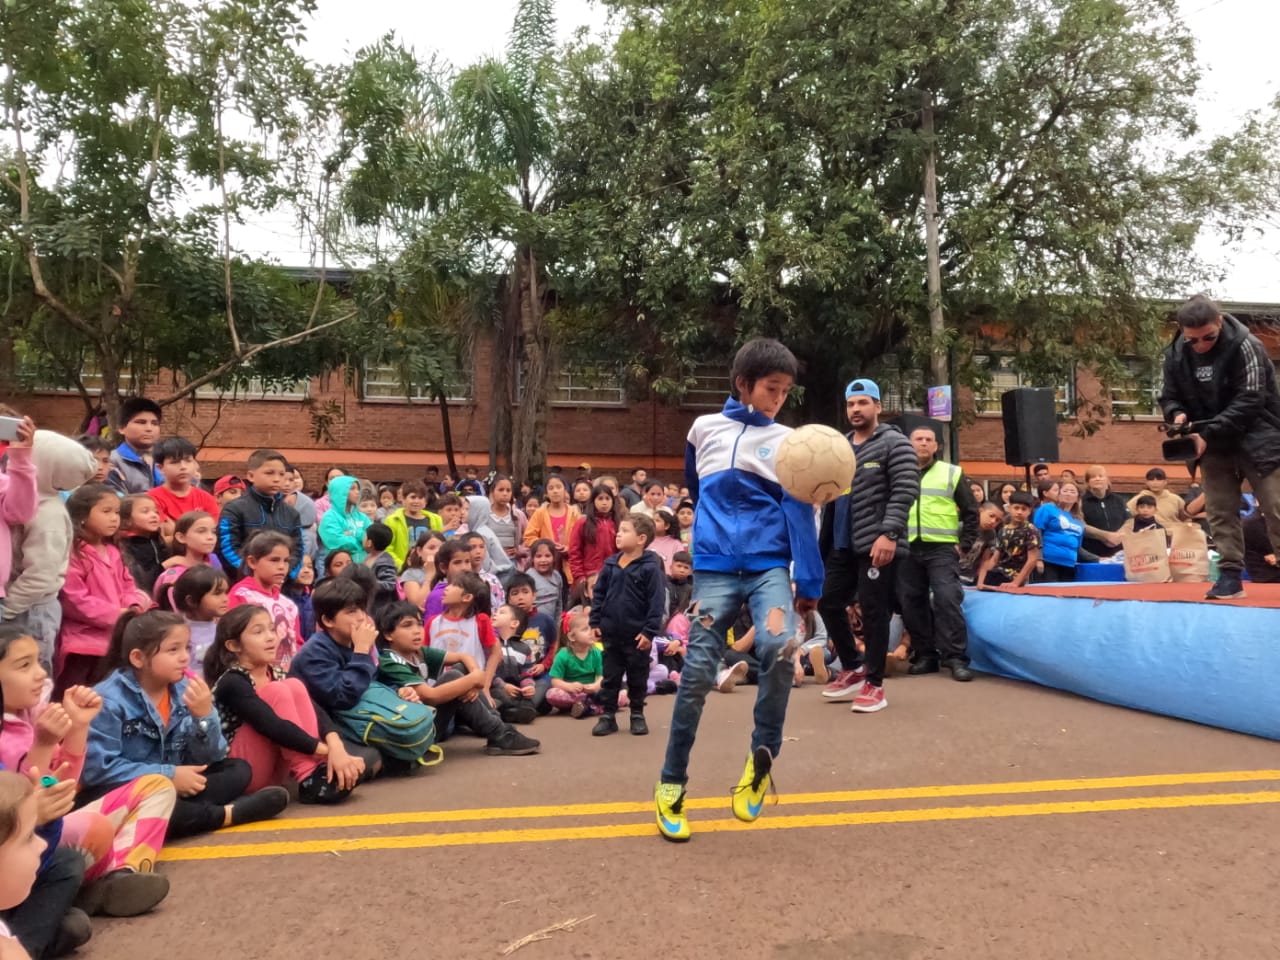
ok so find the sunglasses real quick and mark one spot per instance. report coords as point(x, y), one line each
point(1207, 338)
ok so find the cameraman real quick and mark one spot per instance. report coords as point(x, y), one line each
point(1218, 375)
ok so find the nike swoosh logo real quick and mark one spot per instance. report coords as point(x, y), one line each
point(667, 825)
point(754, 808)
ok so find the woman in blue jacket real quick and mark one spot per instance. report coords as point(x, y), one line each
point(1061, 531)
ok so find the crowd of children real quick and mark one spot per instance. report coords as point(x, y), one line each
point(175, 660)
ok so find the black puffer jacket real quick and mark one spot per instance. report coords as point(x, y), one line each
point(1242, 403)
point(885, 485)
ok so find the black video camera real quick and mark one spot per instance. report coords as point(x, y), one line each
point(1179, 448)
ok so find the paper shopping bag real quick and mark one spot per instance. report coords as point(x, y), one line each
point(1188, 553)
point(1146, 560)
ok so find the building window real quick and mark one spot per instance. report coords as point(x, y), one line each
point(36, 380)
point(384, 381)
point(711, 387)
point(589, 385)
point(1136, 395)
point(901, 389)
point(255, 388)
point(986, 400)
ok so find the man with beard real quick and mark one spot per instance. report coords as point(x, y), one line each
point(859, 541)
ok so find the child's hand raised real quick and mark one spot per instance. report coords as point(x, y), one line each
point(53, 724)
point(82, 705)
point(189, 781)
point(198, 698)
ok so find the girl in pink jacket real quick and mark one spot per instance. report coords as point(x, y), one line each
point(98, 589)
point(18, 495)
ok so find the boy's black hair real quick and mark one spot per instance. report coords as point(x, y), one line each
point(522, 619)
point(335, 595)
point(520, 581)
point(642, 525)
point(379, 536)
point(415, 488)
point(391, 615)
point(682, 556)
point(1146, 500)
point(471, 535)
point(1021, 497)
point(130, 407)
point(366, 580)
point(450, 499)
point(265, 455)
point(94, 443)
point(173, 448)
point(759, 358)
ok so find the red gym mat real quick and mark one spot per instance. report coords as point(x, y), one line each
point(1256, 594)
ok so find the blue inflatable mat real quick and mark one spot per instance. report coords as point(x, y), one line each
point(1217, 665)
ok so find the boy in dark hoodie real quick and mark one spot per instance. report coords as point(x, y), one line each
point(626, 614)
point(261, 507)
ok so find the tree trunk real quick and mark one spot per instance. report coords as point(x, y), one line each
point(446, 426)
point(529, 453)
point(109, 365)
point(503, 362)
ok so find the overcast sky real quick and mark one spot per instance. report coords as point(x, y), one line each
point(1236, 47)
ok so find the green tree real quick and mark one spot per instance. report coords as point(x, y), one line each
point(448, 174)
point(139, 132)
point(731, 170)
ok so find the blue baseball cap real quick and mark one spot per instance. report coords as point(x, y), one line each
point(862, 388)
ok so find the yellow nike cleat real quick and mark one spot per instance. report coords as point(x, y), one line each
point(748, 795)
point(668, 798)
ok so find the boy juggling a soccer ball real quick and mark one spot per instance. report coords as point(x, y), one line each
point(747, 533)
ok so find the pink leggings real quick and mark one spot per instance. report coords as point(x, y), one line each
point(269, 761)
point(123, 830)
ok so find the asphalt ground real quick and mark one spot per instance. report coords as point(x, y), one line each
point(993, 819)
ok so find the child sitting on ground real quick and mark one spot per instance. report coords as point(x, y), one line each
point(449, 682)
point(461, 628)
point(156, 719)
point(338, 662)
point(267, 558)
point(21, 849)
point(452, 558)
point(680, 583)
point(268, 719)
point(195, 538)
point(410, 522)
point(121, 833)
point(336, 561)
point(298, 589)
point(548, 581)
point(144, 550)
point(627, 611)
point(422, 560)
point(97, 590)
point(478, 551)
point(376, 540)
point(578, 672)
point(513, 688)
point(540, 633)
point(201, 596)
point(1017, 549)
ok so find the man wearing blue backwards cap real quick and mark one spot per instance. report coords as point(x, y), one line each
point(859, 541)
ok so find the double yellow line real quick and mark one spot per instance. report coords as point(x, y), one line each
point(788, 822)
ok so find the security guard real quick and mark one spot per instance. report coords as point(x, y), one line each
point(942, 525)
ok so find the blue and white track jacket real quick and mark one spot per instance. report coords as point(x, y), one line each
point(745, 522)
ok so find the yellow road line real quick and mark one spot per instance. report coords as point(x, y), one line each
point(790, 799)
point(615, 831)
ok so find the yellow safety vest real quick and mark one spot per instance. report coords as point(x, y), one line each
point(935, 517)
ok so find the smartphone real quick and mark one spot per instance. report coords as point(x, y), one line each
point(9, 428)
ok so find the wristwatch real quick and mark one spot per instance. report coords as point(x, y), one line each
point(892, 535)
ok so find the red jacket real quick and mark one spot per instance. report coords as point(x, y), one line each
point(587, 559)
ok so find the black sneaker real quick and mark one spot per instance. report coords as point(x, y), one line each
point(1228, 587)
point(512, 743)
point(263, 805)
point(922, 666)
point(317, 788)
point(638, 727)
point(605, 726)
point(959, 670)
point(123, 893)
point(74, 931)
point(520, 712)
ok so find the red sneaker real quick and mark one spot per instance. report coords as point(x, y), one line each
point(846, 684)
point(869, 699)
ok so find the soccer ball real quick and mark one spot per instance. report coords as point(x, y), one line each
point(815, 464)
